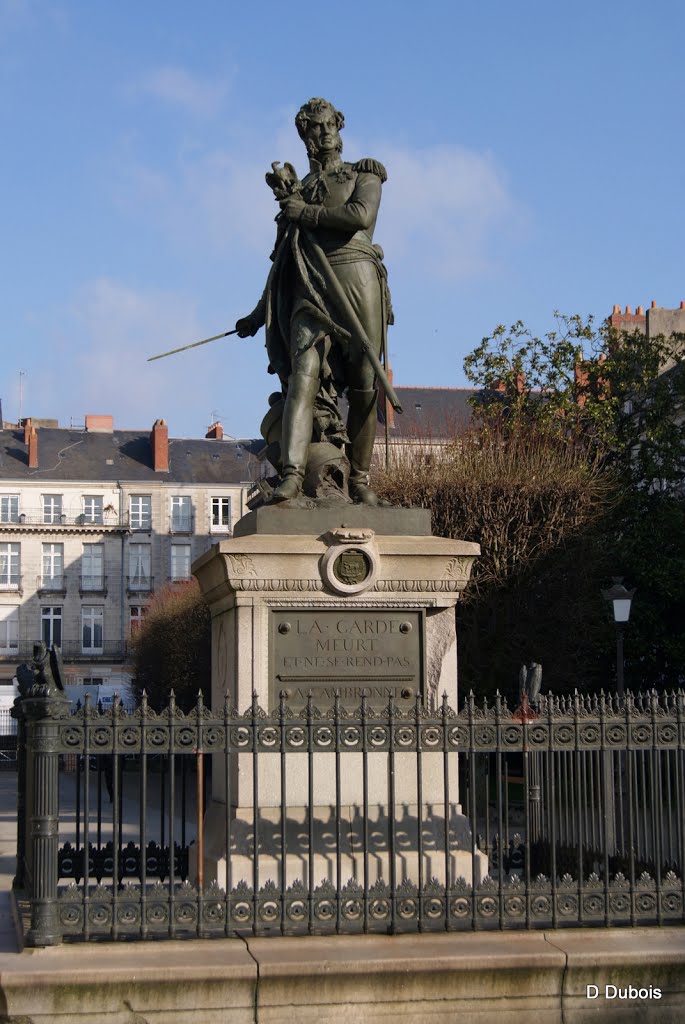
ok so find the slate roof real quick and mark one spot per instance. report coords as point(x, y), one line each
point(436, 413)
point(126, 455)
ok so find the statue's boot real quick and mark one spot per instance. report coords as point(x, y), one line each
point(296, 434)
point(361, 430)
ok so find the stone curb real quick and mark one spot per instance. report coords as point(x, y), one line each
point(485, 978)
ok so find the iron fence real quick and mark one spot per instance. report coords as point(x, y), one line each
point(350, 821)
point(8, 740)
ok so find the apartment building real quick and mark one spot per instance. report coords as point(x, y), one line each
point(93, 521)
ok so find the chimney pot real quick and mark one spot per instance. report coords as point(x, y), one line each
point(617, 309)
point(682, 305)
point(628, 310)
point(27, 429)
point(215, 432)
point(653, 303)
point(640, 311)
point(159, 442)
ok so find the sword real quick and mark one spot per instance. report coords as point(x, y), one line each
point(183, 348)
point(345, 307)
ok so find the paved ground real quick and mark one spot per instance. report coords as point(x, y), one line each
point(8, 828)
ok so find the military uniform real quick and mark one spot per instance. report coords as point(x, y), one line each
point(300, 315)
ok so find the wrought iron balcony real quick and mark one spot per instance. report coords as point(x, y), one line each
point(96, 584)
point(33, 518)
point(51, 583)
point(12, 582)
point(181, 523)
point(111, 650)
point(140, 584)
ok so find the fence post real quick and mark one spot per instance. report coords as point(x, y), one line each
point(43, 713)
point(17, 712)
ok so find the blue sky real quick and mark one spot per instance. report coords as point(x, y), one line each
point(535, 157)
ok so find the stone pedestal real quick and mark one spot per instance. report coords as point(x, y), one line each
point(354, 600)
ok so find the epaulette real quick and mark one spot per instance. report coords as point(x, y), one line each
point(370, 166)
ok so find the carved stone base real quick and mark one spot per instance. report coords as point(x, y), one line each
point(355, 602)
point(345, 607)
point(323, 864)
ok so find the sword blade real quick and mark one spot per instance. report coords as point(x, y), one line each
point(183, 348)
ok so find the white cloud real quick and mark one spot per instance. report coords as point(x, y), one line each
point(15, 14)
point(448, 203)
point(18, 15)
point(211, 196)
point(96, 356)
point(116, 329)
point(202, 97)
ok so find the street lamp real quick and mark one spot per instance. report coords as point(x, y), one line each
point(620, 599)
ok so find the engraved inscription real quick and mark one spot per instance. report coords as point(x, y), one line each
point(379, 653)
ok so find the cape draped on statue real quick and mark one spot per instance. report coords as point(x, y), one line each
point(295, 283)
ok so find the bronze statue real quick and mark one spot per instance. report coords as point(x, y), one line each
point(46, 672)
point(326, 306)
point(530, 682)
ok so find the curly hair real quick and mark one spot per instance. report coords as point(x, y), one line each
point(316, 105)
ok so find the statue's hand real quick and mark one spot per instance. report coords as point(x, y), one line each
point(292, 207)
point(245, 327)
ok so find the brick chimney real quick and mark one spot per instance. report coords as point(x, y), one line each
point(629, 321)
point(96, 424)
point(215, 432)
point(33, 448)
point(27, 429)
point(581, 380)
point(500, 386)
point(159, 442)
point(384, 407)
point(581, 374)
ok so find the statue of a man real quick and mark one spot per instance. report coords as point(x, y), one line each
point(327, 288)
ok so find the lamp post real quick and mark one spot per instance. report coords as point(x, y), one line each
point(620, 600)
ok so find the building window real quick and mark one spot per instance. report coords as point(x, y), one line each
point(140, 509)
point(181, 514)
point(139, 559)
point(9, 567)
point(52, 577)
point(52, 508)
point(92, 508)
point(91, 630)
point(92, 567)
point(9, 508)
point(136, 616)
point(9, 629)
point(180, 561)
point(221, 513)
point(51, 625)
